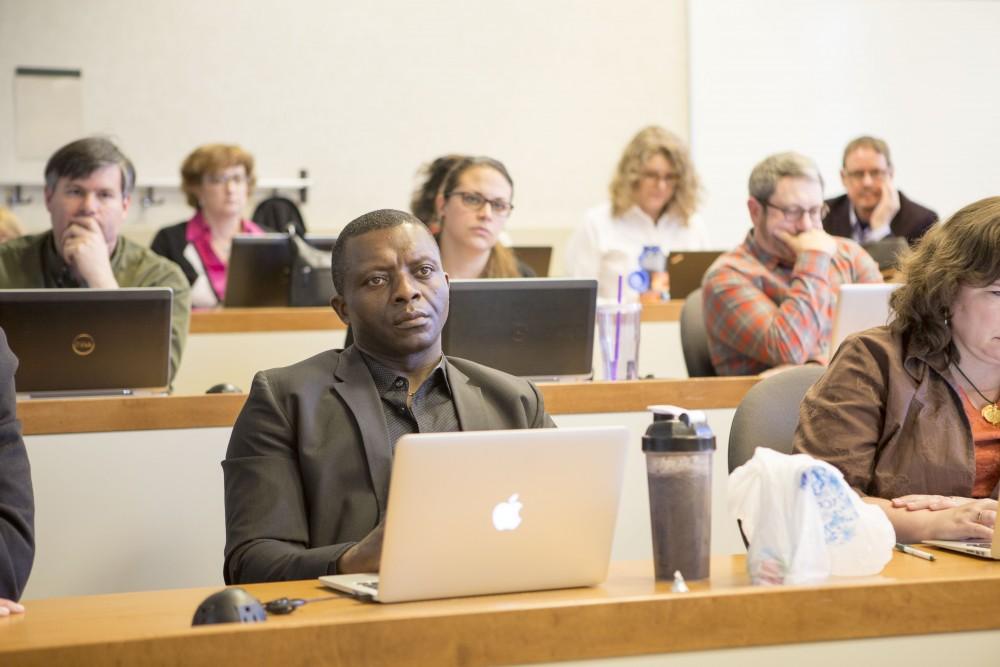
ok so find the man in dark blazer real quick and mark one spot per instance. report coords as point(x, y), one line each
point(17, 505)
point(872, 208)
point(308, 465)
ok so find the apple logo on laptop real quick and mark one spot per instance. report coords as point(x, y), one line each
point(507, 515)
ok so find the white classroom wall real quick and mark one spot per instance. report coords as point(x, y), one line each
point(361, 94)
point(810, 75)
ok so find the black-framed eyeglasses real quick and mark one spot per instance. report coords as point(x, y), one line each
point(795, 213)
point(476, 201)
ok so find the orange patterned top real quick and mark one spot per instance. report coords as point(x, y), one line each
point(986, 438)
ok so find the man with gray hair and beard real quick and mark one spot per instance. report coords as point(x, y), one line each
point(769, 302)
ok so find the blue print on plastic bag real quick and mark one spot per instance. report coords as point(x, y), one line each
point(839, 516)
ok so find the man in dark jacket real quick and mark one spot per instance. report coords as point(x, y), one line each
point(307, 469)
point(872, 208)
point(17, 505)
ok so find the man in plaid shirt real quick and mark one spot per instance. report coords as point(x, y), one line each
point(770, 302)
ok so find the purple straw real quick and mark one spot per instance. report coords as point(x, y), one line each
point(618, 332)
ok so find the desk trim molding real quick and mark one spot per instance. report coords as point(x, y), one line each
point(141, 413)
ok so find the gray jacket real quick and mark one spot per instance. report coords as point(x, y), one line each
point(307, 470)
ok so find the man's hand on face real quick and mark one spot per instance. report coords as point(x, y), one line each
point(887, 207)
point(86, 251)
point(811, 239)
point(363, 556)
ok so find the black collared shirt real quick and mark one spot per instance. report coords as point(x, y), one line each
point(432, 408)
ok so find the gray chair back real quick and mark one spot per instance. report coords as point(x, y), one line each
point(769, 413)
point(694, 337)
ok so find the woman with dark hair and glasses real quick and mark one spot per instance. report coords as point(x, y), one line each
point(909, 411)
point(472, 208)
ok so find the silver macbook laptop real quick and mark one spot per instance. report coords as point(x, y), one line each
point(974, 547)
point(540, 328)
point(89, 341)
point(482, 512)
point(860, 307)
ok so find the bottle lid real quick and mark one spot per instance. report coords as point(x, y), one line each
point(675, 429)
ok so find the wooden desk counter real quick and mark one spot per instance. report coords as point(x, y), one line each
point(136, 413)
point(244, 320)
point(628, 615)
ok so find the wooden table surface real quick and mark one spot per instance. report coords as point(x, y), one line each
point(629, 614)
point(136, 413)
point(250, 320)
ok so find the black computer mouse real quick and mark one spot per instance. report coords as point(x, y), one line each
point(231, 605)
point(224, 388)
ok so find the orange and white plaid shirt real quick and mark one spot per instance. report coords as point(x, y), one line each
point(761, 313)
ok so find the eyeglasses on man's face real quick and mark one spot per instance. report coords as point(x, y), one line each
point(795, 213)
point(475, 202)
point(876, 175)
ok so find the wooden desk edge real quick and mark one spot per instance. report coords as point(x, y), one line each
point(518, 630)
point(138, 413)
point(259, 320)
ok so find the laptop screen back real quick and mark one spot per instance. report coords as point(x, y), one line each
point(89, 339)
point(530, 327)
point(537, 257)
point(859, 307)
point(259, 271)
point(686, 270)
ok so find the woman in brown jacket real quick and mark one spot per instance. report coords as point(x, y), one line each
point(909, 412)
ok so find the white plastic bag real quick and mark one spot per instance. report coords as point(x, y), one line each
point(804, 522)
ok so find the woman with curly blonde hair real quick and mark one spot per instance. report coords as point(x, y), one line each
point(908, 411)
point(653, 201)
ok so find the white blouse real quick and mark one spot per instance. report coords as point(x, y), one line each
point(605, 247)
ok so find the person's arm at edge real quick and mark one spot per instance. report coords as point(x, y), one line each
point(17, 507)
point(180, 317)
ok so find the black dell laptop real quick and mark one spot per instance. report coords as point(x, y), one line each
point(540, 328)
point(259, 271)
point(89, 341)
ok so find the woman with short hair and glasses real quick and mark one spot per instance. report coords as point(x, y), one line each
point(653, 200)
point(909, 411)
point(217, 180)
point(473, 205)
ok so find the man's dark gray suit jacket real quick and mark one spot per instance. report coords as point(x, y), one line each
point(308, 464)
